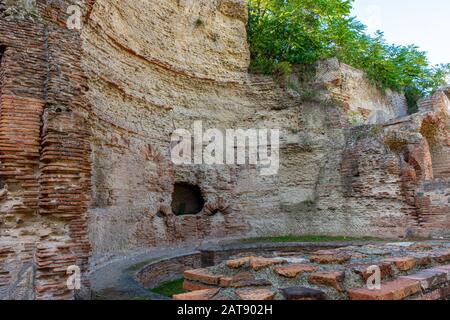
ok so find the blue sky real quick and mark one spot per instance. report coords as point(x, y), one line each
point(425, 23)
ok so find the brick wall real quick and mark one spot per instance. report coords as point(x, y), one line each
point(168, 269)
point(44, 153)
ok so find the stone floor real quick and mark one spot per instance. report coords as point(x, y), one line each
point(409, 271)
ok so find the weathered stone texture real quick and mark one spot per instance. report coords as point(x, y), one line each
point(395, 290)
point(334, 178)
point(175, 73)
point(133, 118)
point(86, 120)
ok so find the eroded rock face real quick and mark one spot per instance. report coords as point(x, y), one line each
point(44, 152)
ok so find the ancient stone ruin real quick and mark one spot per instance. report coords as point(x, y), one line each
point(86, 118)
point(410, 271)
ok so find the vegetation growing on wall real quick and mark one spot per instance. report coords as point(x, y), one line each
point(283, 33)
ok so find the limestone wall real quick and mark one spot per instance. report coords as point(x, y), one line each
point(360, 98)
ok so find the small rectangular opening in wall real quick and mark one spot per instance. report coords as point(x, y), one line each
point(2, 53)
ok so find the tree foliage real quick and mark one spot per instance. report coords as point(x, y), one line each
point(283, 33)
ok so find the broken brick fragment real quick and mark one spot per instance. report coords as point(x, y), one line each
point(195, 286)
point(445, 269)
point(429, 279)
point(251, 283)
point(442, 257)
point(330, 257)
point(238, 263)
point(363, 270)
point(420, 247)
point(258, 263)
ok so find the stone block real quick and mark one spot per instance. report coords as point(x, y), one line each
point(442, 257)
point(429, 279)
point(238, 263)
point(203, 276)
point(438, 294)
point(293, 270)
point(445, 269)
point(195, 286)
point(403, 263)
point(257, 263)
point(330, 257)
point(330, 279)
